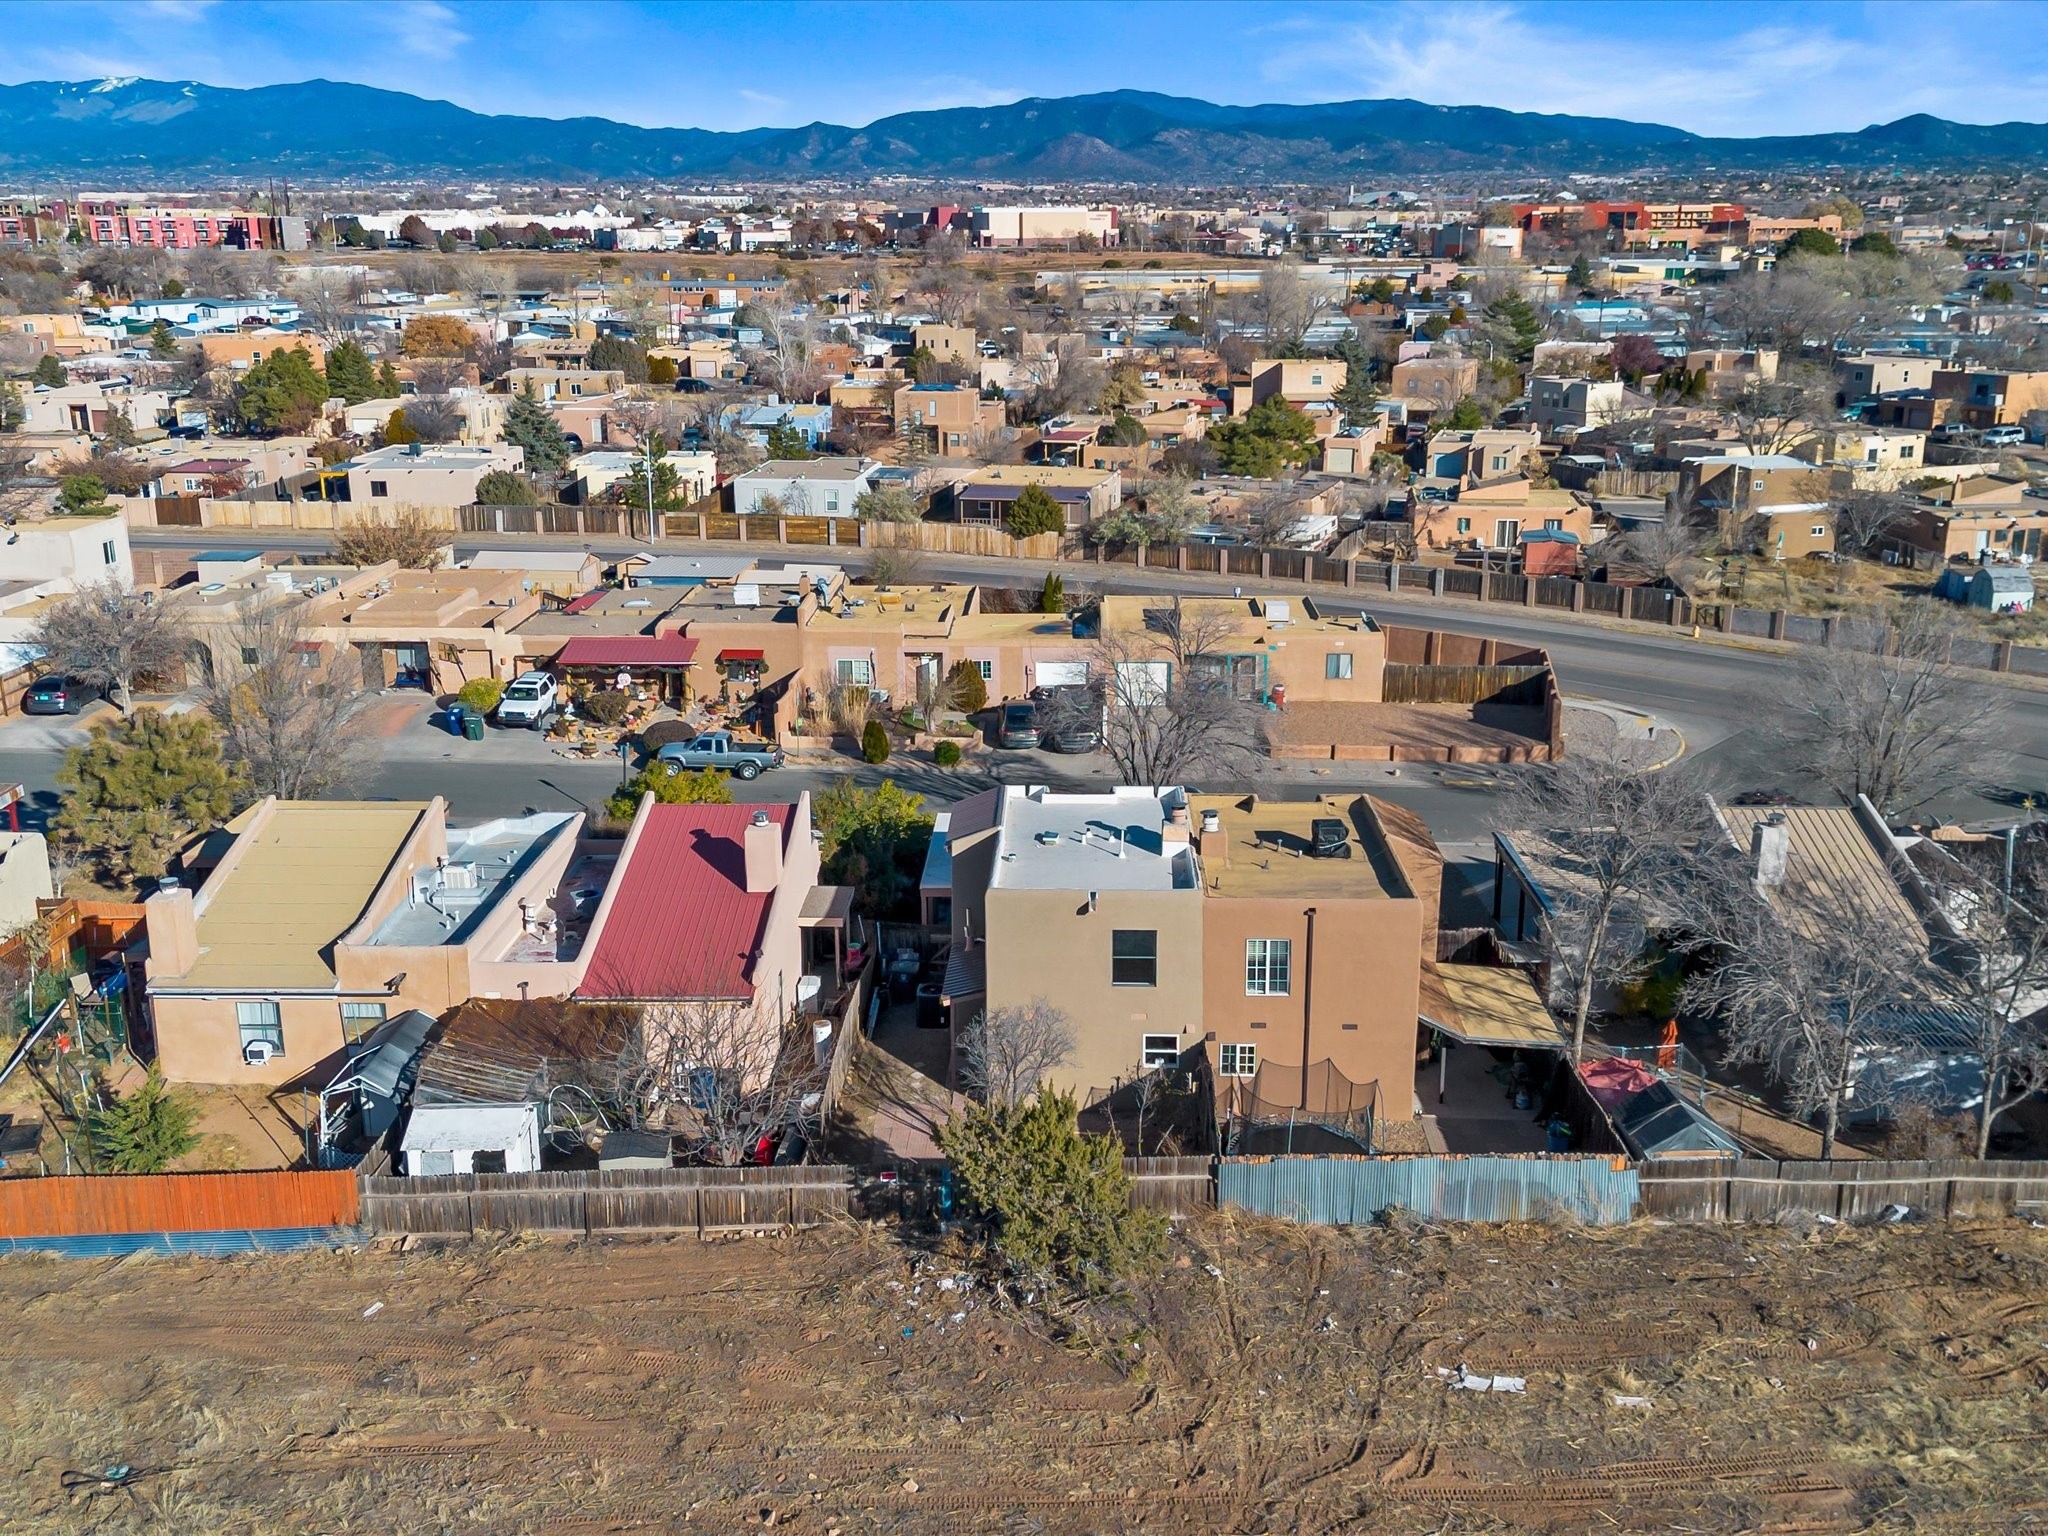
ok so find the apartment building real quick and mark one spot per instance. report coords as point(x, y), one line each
point(1869, 374)
point(2004, 399)
point(1561, 407)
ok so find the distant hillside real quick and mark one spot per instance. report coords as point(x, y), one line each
point(134, 128)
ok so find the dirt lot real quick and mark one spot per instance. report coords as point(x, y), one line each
point(1677, 1379)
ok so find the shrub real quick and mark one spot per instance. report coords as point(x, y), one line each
point(1052, 597)
point(970, 693)
point(1034, 511)
point(145, 1132)
point(947, 754)
point(607, 706)
point(1057, 1202)
point(707, 786)
point(480, 694)
point(874, 742)
point(664, 733)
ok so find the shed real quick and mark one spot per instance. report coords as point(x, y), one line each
point(472, 1138)
point(2002, 588)
point(1550, 552)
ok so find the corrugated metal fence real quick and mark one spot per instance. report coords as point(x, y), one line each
point(653, 1199)
point(1329, 1191)
point(175, 1202)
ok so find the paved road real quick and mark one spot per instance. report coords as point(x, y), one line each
point(1711, 690)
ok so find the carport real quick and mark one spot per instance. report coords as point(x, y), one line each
point(628, 661)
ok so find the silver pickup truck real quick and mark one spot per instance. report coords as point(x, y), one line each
point(720, 749)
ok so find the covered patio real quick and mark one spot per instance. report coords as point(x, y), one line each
point(659, 664)
point(1497, 1049)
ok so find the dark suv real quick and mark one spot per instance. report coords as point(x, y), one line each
point(1329, 838)
point(56, 696)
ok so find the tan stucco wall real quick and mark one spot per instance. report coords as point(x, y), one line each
point(1042, 944)
point(199, 1041)
point(1356, 992)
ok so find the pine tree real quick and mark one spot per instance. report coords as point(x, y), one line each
point(350, 375)
point(147, 1131)
point(50, 372)
point(1034, 511)
point(785, 442)
point(1359, 395)
point(1581, 274)
point(139, 787)
point(387, 381)
point(283, 393)
point(616, 352)
point(532, 426)
point(162, 344)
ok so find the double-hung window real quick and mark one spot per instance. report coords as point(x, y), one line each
point(1268, 966)
point(1134, 957)
point(259, 1020)
point(856, 673)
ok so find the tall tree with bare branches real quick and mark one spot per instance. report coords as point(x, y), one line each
point(720, 1072)
point(1170, 711)
point(1006, 1053)
point(286, 709)
point(108, 636)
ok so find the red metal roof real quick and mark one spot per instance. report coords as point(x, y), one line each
point(587, 600)
point(682, 922)
point(730, 654)
point(627, 651)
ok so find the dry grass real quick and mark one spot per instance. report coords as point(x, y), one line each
point(1820, 1380)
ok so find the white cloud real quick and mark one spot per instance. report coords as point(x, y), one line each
point(763, 100)
point(424, 27)
point(1811, 71)
point(178, 10)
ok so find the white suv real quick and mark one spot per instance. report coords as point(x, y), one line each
point(2004, 437)
point(529, 701)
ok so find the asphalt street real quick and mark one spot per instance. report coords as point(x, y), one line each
point(1713, 692)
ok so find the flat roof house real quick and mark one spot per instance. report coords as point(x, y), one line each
point(826, 487)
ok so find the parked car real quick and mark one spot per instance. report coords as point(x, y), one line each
point(1070, 719)
point(1017, 725)
point(530, 700)
point(57, 696)
point(722, 750)
point(2004, 437)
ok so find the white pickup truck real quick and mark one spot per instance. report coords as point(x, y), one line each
point(530, 700)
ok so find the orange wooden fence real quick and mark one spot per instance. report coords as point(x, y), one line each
point(176, 1202)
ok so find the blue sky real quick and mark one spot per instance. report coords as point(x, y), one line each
point(1715, 68)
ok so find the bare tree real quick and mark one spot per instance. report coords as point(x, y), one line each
point(329, 299)
point(1774, 415)
point(1863, 518)
point(1286, 306)
point(407, 538)
point(1172, 711)
point(435, 412)
point(1666, 546)
point(108, 636)
point(1006, 1053)
point(723, 1073)
point(1810, 987)
point(898, 565)
point(286, 710)
point(1993, 977)
point(1614, 836)
point(1901, 727)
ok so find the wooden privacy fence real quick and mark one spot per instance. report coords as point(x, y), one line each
point(1466, 685)
point(91, 1205)
point(1173, 1186)
point(1758, 1189)
point(654, 1199)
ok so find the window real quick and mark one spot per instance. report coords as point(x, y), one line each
point(1554, 524)
point(378, 488)
point(248, 655)
point(831, 501)
point(260, 1021)
point(1820, 530)
point(492, 1161)
point(1464, 525)
point(107, 556)
point(1238, 1061)
point(856, 673)
point(1337, 665)
point(987, 670)
point(1133, 957)
point(358, 1019)
point(1161, 1051)
point(1267, 964)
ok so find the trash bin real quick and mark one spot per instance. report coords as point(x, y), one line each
point(455, 713)
point(472, 725)
point(1558, 1136)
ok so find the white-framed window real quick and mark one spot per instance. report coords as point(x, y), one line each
point(1161, 1051)
point(1268, 967)
point(358, 1019)
point(855, 672)
point(1144, 683)
point(1337, 666)
point(1553, 524)
point(1238, 1061)
point(258, 1019)
point(987, 669)
point(1820, 530)
point(831, 501)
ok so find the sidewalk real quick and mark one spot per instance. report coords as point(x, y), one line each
point(1613, 730)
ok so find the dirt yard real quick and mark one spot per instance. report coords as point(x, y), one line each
point(1272, 1379)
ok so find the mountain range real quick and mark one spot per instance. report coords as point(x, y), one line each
point(123, 129)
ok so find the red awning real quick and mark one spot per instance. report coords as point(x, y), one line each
point(628, 651)
point(742, 655)
point(587, 600)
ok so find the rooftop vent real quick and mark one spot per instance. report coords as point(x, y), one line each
point(760, 818)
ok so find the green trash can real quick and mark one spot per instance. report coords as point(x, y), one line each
point(472, 725)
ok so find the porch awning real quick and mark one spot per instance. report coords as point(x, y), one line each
point(1487, 1005)
point(738, 655)
point(826, 906)
point(629, 651)
point(966, 974)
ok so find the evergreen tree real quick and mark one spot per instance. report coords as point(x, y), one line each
point(387, 381)
point(1581, 273)
point(616, 352)
point(505, 488)
point(1466, 416)
point(1267, 439)
point(1034, 511)
point(785, 442)
point(283, 393)
point(1810, 242)
point(140, 787)
point(1513, 326)
point(532, 426)
point(350, 375)
point(1359, 394)
point(147, 1131)
point(967, 686)
point(486, 240)
point(162, 344)
point(51, 372)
